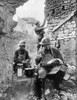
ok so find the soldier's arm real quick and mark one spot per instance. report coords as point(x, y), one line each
point(27, 56)
point(57, 54)
point(16, 56)
point(38, 59)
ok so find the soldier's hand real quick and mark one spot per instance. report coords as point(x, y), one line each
point(27, 61)
point(23, 61)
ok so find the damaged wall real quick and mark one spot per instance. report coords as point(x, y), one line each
point(7, 11)
point(8, 41)
point(62, 26)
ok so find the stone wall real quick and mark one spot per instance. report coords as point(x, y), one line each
point(59, 8)
point(60, 17)
point(66, 35)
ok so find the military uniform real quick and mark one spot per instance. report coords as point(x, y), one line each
point(48, 55)
point(19, 56)
point(39, 30)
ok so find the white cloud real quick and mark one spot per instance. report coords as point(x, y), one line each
point(33, 8)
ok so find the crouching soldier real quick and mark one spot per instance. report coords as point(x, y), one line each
point(21, 56)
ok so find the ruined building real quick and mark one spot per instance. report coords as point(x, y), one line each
point(61, 22)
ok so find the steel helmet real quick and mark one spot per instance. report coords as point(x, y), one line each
point(45, 41)
point(22, 43)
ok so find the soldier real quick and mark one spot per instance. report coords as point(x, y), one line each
point(39, 30)
point(47, 53)
point(21, 56)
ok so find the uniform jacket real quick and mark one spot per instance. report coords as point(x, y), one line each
point(21, 55)
point(49, 54)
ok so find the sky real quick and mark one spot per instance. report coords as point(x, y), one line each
point(32, 8)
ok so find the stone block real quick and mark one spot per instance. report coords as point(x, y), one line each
point(69, 26)
point(73, 33)
point(73, 22)
point(66, 31)
point(73, 25)
point(71, 29)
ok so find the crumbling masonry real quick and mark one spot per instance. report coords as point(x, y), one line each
point(62, 26)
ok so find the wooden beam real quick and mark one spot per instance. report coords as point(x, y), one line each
point(63, 22)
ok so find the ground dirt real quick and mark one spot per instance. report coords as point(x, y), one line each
point(24, 91)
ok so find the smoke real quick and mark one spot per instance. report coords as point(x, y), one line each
point(32, 8)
